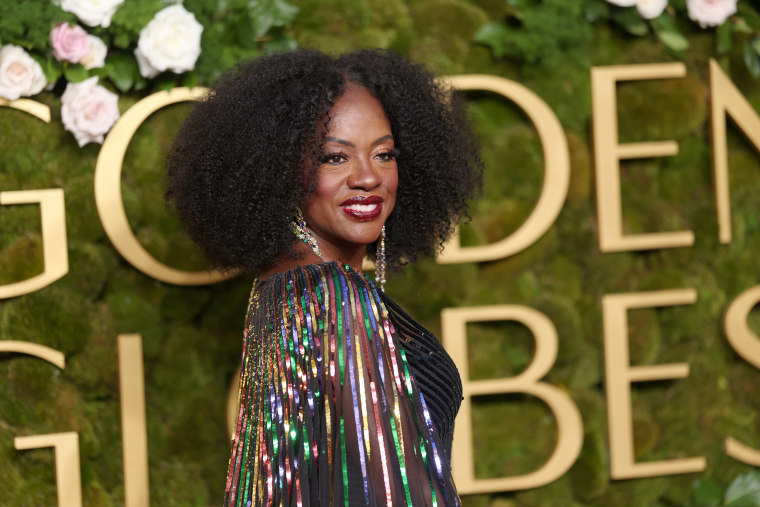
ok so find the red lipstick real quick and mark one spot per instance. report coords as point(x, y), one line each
point(363, 208)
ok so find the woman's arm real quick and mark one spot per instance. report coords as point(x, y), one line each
point(329, 412)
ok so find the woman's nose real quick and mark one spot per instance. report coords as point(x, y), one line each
point(364, 174)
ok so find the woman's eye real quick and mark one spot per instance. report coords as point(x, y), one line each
point(388, 155)
point(333, 159)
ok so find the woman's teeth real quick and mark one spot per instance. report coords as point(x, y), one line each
point(362, 208)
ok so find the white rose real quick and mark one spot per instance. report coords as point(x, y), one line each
point(623, 3)
point(650, 9)
point(171, 41)
point(88, 111)
point(97, 55)
point(146, 69)
point(710, 12)
point(92, 12)
point(20, 74)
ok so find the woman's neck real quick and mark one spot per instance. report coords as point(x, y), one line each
point(305, 256)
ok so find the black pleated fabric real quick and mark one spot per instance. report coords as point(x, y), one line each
point(433, 370)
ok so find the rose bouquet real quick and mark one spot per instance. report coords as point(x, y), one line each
point(89, 50)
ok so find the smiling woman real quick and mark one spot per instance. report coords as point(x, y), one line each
point(295, 167)
point(356, 185)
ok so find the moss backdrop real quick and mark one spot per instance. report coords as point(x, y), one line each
point(191, 336)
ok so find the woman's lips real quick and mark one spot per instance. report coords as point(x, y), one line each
point(363, 208)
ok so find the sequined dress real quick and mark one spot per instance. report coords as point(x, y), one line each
point(345, 399)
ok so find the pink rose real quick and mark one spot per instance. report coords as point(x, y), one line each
point(70, 43)
point(88, 111)
point(710, 12)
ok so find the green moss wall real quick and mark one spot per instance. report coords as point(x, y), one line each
point(191, 336)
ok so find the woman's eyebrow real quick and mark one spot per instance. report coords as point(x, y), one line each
point(381, 139)
point(352, 145)
point(340, 141)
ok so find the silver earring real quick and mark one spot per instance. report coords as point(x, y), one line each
point(298, 226)
point(380, 260)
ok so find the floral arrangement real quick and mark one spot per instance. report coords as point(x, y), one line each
point(665, 19)
point(91, 50)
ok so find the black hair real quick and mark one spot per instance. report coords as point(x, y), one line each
point(248, 154)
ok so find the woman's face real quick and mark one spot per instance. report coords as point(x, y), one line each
point(356, 189)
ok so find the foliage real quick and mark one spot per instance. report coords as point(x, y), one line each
point(744, 491)
point(548, 30)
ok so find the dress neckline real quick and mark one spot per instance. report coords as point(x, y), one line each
point(258, 282)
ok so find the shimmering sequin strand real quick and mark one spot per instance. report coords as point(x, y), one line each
point(331, 411)
point(380, 260)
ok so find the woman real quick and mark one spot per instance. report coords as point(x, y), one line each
point(293, 168)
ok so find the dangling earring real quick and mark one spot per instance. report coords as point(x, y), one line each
point(380, 260)
point(298, 226)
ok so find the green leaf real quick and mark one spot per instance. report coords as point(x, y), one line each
point(706, 493)
point(667, 31)
point(122, 40)
point(190, 79)
point(724, 35)
point(280, 44)
point(666, 22)
point(244, 30)
point(75, 73)
point(140, 82)
point(673, 41)
point(749, 14)
point(165, 81)
point(28, 23)
point(752, 61)
point(494, 35)
point(630, 19)
point(596, 9)
point(50, 67)
point(102, 72)
point(744, 491)
point(741, 26)
point(265, 14)
point(132, 16)
point(122, 71)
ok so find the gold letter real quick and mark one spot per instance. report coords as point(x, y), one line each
point(36, 109)
point(54, 250)
point(53, 218)
point(745, 343)
point(608, 154)
point(52, 356)
point(233, 404)
point(620, 375)
point(569, 424)
point(556, 173)
point(134, 434)
point(108, 192)
point(726, 99)
point(68, 480)
point(65, 445)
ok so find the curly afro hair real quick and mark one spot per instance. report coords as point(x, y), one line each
point(248, 154)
